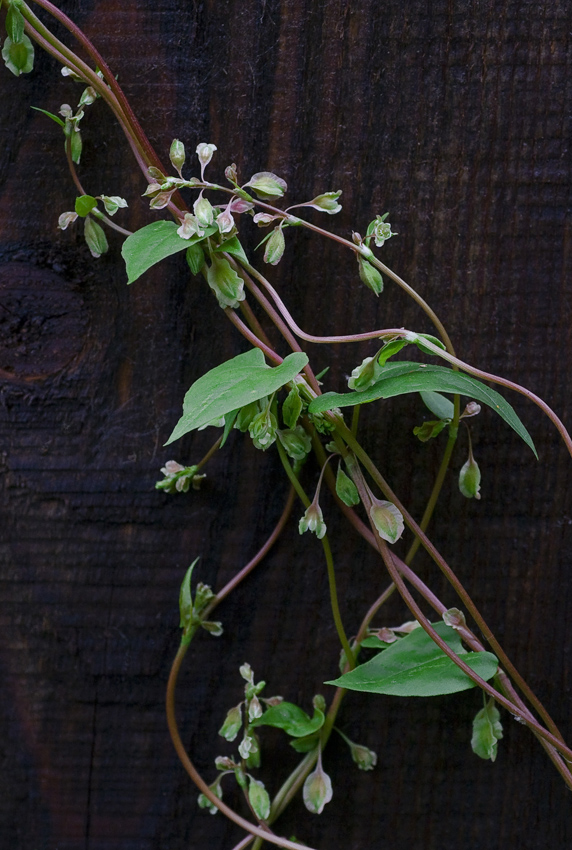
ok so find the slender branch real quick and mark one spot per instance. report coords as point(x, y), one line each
point(195, 775)
point(418, 614)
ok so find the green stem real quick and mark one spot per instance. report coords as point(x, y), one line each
point(329, 561)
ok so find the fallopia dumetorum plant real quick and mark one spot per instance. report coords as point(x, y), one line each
point(276, 400)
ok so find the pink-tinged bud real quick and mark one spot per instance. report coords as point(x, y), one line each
point(317, 789)
point(225, 221)
point(205, 154)
point(161, 200)
point(231, 173)
point(264, 219)
point(387, 520)
point(472, 409)
point(239, 205)
point(267, 185)
point(66, 219)
point(454, 618)
point(189, 227)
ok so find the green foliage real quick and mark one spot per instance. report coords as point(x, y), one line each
point(416, 666)
point(440, 406)
point(84, 204)
point(153, 243)
point(15, 23)
point(402, 378)
point(232, 385)
point(292, 719)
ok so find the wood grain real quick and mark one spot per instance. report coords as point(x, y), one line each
point(453, 115)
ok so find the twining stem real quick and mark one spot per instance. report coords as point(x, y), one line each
point(453, 580)
point(235, 580)
point(418, 614)
point(122, 104)
point(437, 487)
point(195, 775)
point(329, 559)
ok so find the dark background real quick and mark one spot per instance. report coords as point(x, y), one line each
point(455, 116)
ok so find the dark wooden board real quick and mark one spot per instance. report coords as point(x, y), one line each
point(455, 116)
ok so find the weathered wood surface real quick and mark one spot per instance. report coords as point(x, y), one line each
point(456, 117)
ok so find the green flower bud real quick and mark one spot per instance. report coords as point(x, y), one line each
point(66, 219)
point(214, 628)
point(95, 237)
point(248, 745)
point(369, 275)
point(14, 23)
point(224, 281)
point(259, 799)
point(112, 203)
point(177, 154)
point(246, 672)
point(487, 731)
point(190, 227)
point(275, 247)
point(454, 618)
point(205, 803)
point(232, 724)
point(263, 429)
point(204, 211)
point(317, 789)
point(470, 478)
point(327, 202)
point(296, 442)
point(224, 763)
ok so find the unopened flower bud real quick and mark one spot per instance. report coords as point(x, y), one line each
point(317, 789)
point(205, 154)
point(232, 724)
point(387, 520)
point(231, 174)
point(296, 442)
point(177, 154)
point(470, 478)
point(263, 429)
